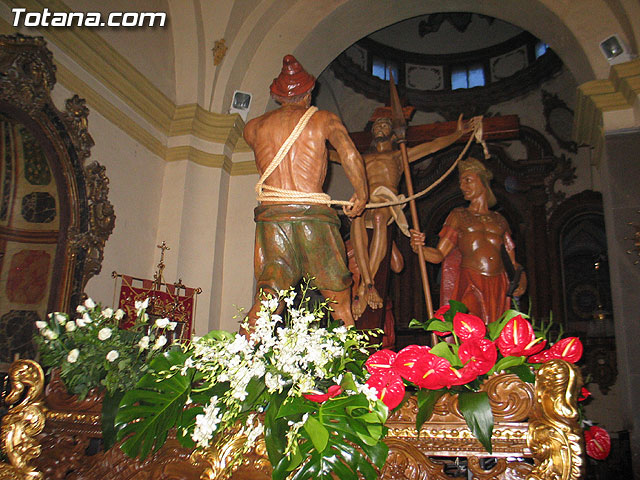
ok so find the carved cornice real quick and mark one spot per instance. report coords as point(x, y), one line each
point(555, 437)
point(551, 437)
point(607, 105)
point(27, 72)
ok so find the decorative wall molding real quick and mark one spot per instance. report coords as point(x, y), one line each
point(619, 94)
point(192, 119)
point(94, 54)
point(195, 155)
point(112, 70)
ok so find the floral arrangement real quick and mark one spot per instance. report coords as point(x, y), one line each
point(91, 351)
point(459, 366)
point(307, 385)
point(300, 384)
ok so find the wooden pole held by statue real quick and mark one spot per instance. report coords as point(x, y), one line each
point(399, 128)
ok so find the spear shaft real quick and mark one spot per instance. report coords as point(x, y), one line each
point(399, 128)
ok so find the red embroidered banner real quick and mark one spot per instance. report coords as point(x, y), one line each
point(162, 304)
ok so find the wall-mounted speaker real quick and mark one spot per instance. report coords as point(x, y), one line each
point(240, 104)
point(614, 50)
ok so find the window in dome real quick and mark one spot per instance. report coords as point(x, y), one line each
point(541, 49)
point(467, 76)
point(380, 68)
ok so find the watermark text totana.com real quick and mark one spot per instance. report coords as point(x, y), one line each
point(47, 18)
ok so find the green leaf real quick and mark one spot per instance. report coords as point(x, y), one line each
point(476, 409)
point(455, 308)
point(345, 419)
point(348, 383)
point(440, 326)
point(495, 328)
point(318, 434)
point(427, 399)
point(275, 429)
point(505, 363)
point(149, 411)
point(524, 373)
point(254, 389)
point(296, 405)
point(417, 324)
point(110, 405)
point(444, 350)
point(186, 425)
point(219, 335)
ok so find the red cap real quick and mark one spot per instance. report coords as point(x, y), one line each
point(293, 79)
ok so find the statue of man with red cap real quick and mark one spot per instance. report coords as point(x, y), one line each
point(297, 232)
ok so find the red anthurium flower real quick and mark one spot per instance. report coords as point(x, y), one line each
point(333, 391)
point(467, 326)
point(441, 311)
point(517, 338)
point(597, 442)
point(479, 355)
point(439, 314)
point(432, 372)
point(460, 376)
point(407, 359)
point(380, 361)
point(584, 394)
point(390, 387)
point(569, 349)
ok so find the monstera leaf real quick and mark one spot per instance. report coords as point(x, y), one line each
point(323, 451)
point(148, 412)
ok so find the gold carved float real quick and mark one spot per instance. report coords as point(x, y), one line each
point(50, 434)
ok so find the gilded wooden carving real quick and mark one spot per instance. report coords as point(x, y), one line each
point(25, 420)
point(555, 438)
point(536, 436)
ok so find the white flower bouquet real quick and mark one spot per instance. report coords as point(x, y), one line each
point(299, 384)
point(91, 350)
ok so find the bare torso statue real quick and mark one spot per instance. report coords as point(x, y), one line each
point(384, 171)
point(295, 237)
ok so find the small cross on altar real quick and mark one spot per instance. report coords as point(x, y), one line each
point(158, 276)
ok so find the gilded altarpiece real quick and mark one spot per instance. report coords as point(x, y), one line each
point(54, 213)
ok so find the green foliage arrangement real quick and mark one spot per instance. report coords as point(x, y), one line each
point(301, 385)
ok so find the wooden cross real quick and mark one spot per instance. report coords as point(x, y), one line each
point(494, 128)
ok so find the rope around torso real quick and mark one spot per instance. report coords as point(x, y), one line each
point(268, 192)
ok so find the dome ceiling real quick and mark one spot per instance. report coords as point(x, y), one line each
point(449, 63)
point(446, 33)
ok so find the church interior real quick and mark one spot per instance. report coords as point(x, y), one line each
point(162, 110)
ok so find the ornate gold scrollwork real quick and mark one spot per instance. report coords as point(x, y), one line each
point(24, 421)
point(27, 71)
point(219, 458)
point(555, 438)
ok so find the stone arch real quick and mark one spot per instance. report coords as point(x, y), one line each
point(317, 32)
